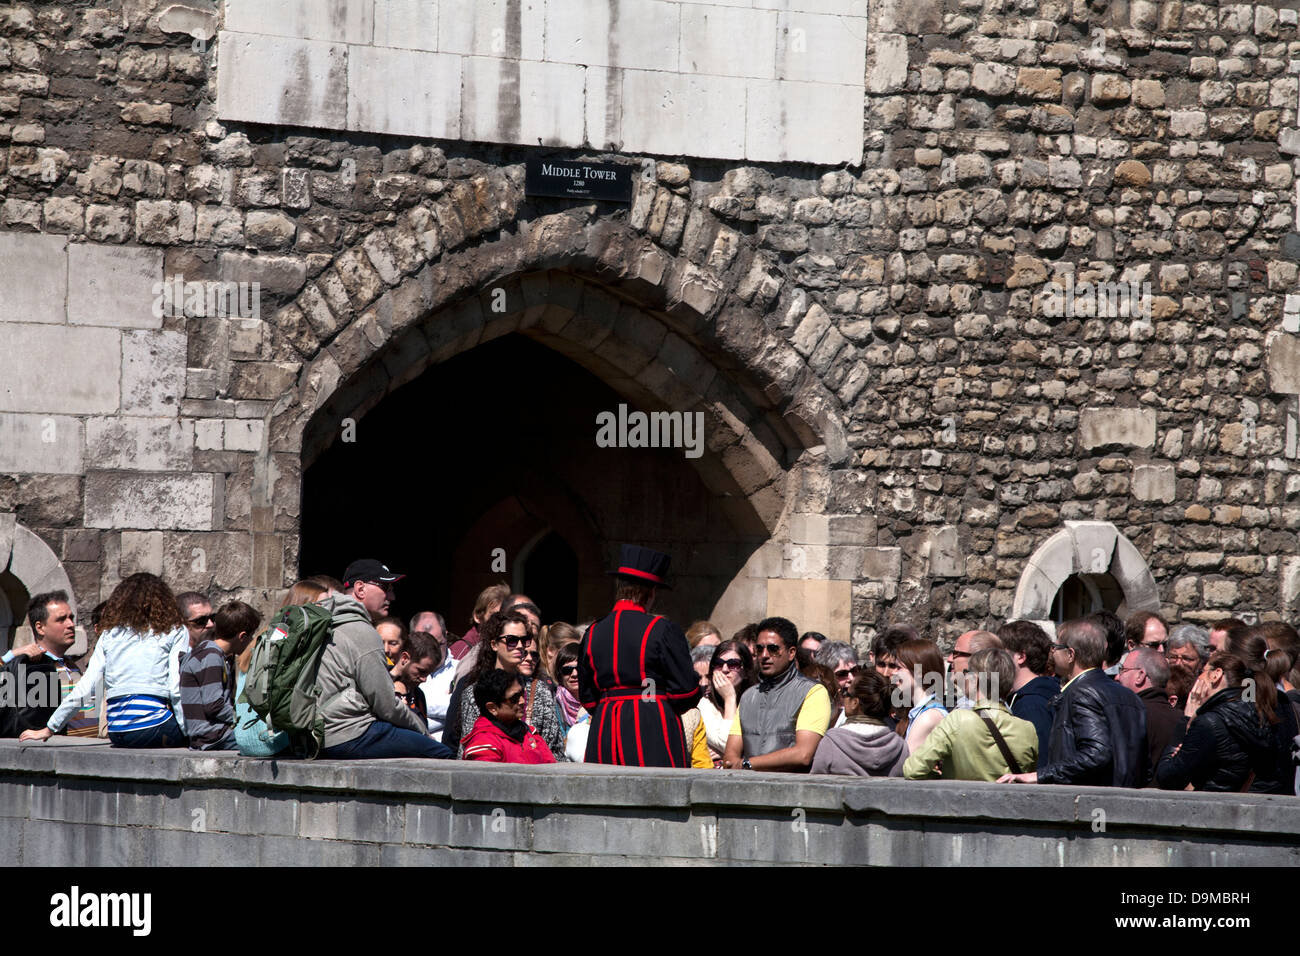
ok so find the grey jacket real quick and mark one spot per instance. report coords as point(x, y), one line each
point(356, 688)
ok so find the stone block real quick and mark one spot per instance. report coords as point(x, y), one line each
point(244, 435)
point(1284, 363)
point(34, 280)
point(344, 21)
point(603, 107)
point(513, 101)
point(429, 108)
point(810, 529)
point(140, 444)
point(728, 41)
point(165, 502)
point(1154, 483)
point(153, 372)
point(116, 286)
point(621, 831)
point(40, 444)
point(640, 36)
point(818, 605)
point(281, 81)
point(141, 551)
point(1093, 543)
point(509, 29)
point(882, 564)
point(412, 24)
point(888, 71)
point(822, 123)
point(79, 374)
point(491, 826)
point(1104, 427)
point(816, 48)
point(946, 558)
point(669, 113)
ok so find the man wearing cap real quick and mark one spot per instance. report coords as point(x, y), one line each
point(371, 583)
point(635, 674)
point(362, 715)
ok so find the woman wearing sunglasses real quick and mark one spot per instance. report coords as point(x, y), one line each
point(731, 673)
point(504, 646)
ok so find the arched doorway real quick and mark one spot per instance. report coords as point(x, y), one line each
point(486, 468)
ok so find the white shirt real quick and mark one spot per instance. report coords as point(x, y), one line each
point(437, 694)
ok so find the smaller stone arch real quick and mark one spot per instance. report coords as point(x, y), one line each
point(1083, 547)
point(37, 568)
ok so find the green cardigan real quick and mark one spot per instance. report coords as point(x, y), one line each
point(963, 746)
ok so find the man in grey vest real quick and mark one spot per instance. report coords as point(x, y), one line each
point(783, 718)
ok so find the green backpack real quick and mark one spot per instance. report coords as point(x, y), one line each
point(281, 685)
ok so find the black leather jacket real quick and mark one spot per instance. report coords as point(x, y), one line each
point(1099, 735)
point(20, 672)
point(1223, 745)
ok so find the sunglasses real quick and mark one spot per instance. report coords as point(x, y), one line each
point(568, 669)
point(514, 700)
point(846, 673)
point(513, 642)
point(730, 664)
point(201, 621)
point(768, 648)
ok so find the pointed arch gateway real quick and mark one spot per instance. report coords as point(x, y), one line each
point(661, 333)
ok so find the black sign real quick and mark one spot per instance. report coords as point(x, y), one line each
point(574, 179)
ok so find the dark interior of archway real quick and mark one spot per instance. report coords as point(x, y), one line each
point(495, 449)
point(13, 605)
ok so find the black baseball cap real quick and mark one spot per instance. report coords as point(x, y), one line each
point(368, 569)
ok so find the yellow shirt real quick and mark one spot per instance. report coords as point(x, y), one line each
point(814, 714)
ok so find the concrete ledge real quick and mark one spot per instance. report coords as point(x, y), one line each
point(77, 802)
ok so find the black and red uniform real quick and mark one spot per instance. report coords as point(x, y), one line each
point(636, 678)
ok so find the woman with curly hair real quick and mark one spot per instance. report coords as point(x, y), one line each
point(142, 638)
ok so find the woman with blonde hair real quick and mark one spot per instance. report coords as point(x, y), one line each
point(142, 639)
point(251, 732)
point(553, 637)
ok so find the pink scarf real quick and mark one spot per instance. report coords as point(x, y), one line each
point(569, 705)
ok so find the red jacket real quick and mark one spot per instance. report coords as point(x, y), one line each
point(487, 741)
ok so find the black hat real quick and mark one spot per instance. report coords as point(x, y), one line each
point(368, 569)
point(644, 566)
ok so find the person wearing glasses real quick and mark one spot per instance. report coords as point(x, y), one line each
point(504, 645)
point(1145, 672)
point(842, 659)
point(501, 734)
point(1145, 629)
point(1099, 731)
point(959, 659)
point(782, 719)
point(1186, 651)
point(865, 745)
point(196, 612)
point(731, 673)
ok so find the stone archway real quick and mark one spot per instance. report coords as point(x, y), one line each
point(29, 561)
point(1083, 547)
point(661, 331)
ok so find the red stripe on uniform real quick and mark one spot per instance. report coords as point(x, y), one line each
point(591, 658)
point(636, 715)
point(600, 737)
point(645, 638)
point(617, 615)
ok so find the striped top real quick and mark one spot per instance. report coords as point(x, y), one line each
point(84, 721)
point(208, 697)
point(136, 712)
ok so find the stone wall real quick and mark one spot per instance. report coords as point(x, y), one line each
point(895, 408)
point(73, 803)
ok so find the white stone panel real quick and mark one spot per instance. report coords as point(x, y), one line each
point(888, 73)
point(153, 373)
point(150, 502)
point(728, 41)
point(382, 98)
point(486, 28)
point(60, 369)
point(244, 434)
point(635, 36)
point(842, 8)
point(114, 285)
point(672, 114)
point(819, 49)
point(803, 122)
point(33, 277)
point(407, 23)
point(604, 108)
point(140, 444)
point(277, 80)
point(40, 444)
point(347, 21)
point(517, 101)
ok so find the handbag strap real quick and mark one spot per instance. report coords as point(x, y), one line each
point(1002, 744)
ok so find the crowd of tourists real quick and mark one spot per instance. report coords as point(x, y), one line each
point(1101, 701)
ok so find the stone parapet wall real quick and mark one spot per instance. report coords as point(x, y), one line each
point(71, 803)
